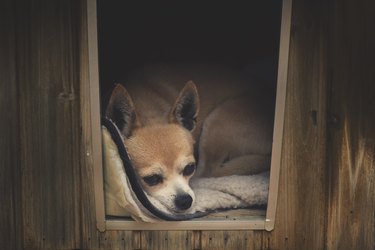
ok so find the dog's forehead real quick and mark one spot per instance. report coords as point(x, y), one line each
point(165, 144)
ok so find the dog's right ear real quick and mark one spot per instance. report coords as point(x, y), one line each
point(121, 110)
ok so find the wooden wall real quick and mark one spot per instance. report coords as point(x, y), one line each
point(351, 151)
point(10, 172)
point(326, 194)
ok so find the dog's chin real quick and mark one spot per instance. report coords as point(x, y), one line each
point(176, 211)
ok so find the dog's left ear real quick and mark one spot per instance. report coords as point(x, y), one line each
point(185, 109)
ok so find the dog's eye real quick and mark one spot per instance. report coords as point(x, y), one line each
point(153, 180)
point(189, 169)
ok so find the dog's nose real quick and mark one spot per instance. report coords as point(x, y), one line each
point(183, 202)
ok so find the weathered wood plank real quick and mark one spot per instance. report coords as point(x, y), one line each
point(90, 237)
point(165, 240)
point(50, 123)
point(351, 220)
point(10, 172)
point(116, 240)
point(228, 240)
point(301, 209)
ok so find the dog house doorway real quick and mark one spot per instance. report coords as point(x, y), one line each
point(254, 38)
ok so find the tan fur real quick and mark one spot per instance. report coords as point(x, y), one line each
point(163, 149)
point(236, 137)
point(159, 119)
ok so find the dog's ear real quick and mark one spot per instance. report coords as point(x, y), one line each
point(121, 110)
point(186, 108)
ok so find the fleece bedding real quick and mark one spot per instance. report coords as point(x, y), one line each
point(124, 196)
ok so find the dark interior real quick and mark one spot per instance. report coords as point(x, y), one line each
point(132, 34)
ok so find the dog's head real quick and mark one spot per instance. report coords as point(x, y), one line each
point(162, 153)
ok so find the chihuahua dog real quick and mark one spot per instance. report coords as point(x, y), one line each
point(172, 116)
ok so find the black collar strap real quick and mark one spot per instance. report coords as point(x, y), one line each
point(135, 186)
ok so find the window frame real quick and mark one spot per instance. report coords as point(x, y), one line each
point(256, 222)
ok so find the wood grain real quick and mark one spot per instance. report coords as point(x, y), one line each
point(50, 123)
point(230, 240)
point(160, 240)
point(120, 240)
point(10, 172)
point(300, 215)
point(351, 221)
point(90, 237)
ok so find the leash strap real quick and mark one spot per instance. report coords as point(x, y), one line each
point(133, 180)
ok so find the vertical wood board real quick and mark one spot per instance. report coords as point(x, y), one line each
point(10, 174)
point(49, 122)
point(300, 215)
point(351, 216)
